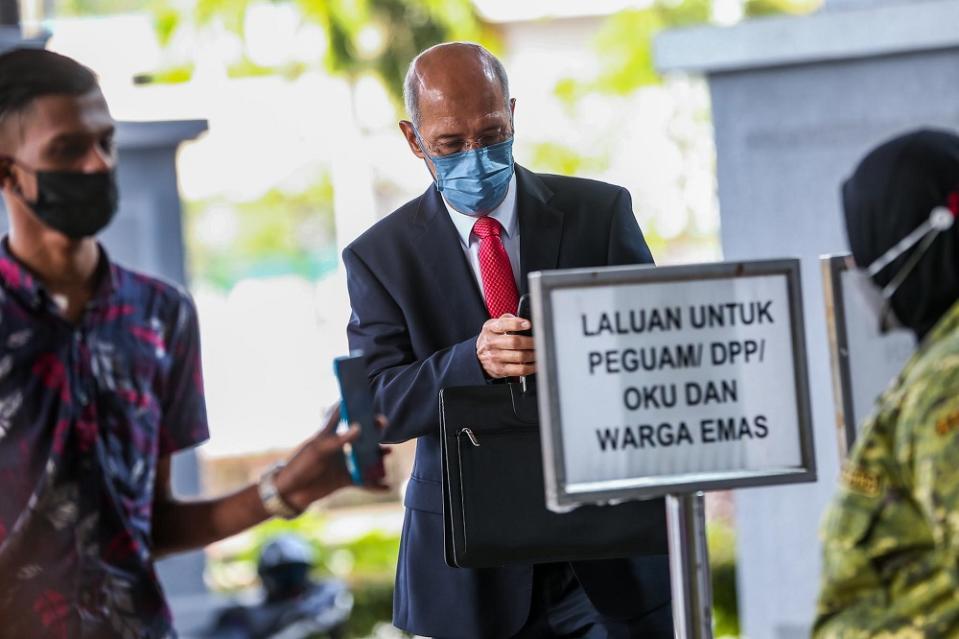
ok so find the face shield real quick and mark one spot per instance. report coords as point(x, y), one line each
point(879, 300)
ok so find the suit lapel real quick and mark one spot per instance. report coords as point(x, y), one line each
point(446, 263)
point(541, 231)
point(540, 226)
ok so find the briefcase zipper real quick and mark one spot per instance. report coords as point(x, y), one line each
point(469, 433)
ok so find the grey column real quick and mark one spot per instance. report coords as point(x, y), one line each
point(148, 235)
point(11, 37)
point(796, 102)
point(10, 13)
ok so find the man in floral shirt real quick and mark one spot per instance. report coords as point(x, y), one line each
point(100, 383)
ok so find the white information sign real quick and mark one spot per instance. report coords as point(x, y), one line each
point(667, 380)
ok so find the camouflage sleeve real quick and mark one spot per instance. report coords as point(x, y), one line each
point(850, 591)
point(927, 448)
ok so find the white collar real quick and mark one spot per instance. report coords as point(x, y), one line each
point(505, 214)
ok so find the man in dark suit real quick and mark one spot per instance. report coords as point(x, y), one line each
point(432, 287)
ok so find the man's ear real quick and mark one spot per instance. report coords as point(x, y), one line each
point(410, 134)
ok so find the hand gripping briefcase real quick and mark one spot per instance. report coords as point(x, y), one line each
point(494, 504)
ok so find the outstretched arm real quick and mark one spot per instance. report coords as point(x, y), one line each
point(317, 469)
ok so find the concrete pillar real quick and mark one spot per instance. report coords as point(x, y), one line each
point(796, 102)
point(10, 13)
point(830, 5)
point(147, 235)
point(11, 37)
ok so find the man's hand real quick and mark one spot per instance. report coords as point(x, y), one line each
point(318, 468)
point(504, 355)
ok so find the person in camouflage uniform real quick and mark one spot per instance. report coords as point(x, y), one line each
point(891, 534)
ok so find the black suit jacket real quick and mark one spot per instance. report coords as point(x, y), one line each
point(417, 311)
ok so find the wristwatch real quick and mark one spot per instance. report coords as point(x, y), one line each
point(272, 500)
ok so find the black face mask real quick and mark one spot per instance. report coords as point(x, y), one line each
point(76, 204)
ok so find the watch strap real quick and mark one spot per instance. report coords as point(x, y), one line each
point(272, 501)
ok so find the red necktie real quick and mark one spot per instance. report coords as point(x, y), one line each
point(499, 285)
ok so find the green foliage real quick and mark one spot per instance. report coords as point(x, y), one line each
point(73, 8)
point(246, 68)
point(372, 605)
point(230, 12)
point(279, 233)
point(625, 42)
point(721, 540)
point(402, 27)
point(553, 157)
point(369, 557)
point(363, 36)
point(166, 21)
point(169, 75)
point(758, 8)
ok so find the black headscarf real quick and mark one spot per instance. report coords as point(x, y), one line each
point(893, 190)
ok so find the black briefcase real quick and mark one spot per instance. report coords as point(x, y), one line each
point(494, 504)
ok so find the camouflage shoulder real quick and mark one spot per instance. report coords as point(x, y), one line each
point(929, 408)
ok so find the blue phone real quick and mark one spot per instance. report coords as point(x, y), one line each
point(364, 457)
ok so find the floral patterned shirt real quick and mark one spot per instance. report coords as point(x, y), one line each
point(86, 411)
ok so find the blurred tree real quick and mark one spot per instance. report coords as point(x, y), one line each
point(278, 234)
point(555, 157)
point(625, 42)
point(757, 8)
point(73, 8)
point(362, 36)
point(383, 36)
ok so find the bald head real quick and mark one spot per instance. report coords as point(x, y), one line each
point(450, 73)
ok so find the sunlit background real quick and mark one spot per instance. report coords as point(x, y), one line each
point(303, 153)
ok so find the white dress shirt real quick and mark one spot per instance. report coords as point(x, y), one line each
point(508, 218)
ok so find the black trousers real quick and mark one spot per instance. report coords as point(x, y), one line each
point(561, 609)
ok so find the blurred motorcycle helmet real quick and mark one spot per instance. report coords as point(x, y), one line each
point(284, 566)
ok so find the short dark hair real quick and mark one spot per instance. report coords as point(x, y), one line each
point(28, 74)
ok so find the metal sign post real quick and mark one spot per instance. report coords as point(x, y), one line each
point(689, 566)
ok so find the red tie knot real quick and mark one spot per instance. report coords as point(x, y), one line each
point(486, 227)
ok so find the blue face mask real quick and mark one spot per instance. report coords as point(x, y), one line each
point(474, 182)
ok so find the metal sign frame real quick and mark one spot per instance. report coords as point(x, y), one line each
point(561, 496)
point(849, 372)
point(833, 266)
